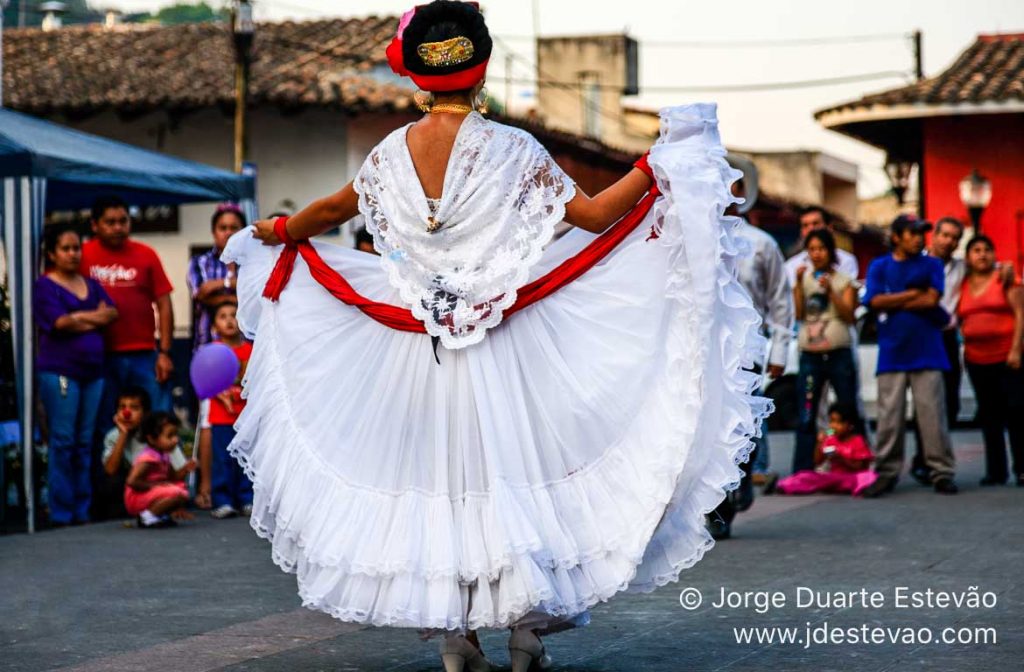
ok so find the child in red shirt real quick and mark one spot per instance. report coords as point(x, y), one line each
point(231, 489)
point(842, 457)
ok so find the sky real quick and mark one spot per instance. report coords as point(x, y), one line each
point(764, 120)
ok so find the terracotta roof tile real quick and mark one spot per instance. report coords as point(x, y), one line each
point(990, 71)
point(82, 69)
point(133, 69)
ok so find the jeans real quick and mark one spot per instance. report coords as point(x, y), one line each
point(228, 483)
point(838, 369)
point(1000, 394)
point(134, 368)
point(71, 407)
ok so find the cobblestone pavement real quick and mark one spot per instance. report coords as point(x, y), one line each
point(205, 596)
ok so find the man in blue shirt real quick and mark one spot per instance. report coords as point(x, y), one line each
point(904, 289)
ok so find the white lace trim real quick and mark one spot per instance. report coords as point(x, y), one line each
point(503, 196)
point(652, 491)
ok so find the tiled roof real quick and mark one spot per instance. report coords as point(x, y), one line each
point(85, 69)
point(990, 71)
point(133, 69)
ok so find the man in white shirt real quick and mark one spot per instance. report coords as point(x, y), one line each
point(762, 272)
point(811, 218)
point(945, 241)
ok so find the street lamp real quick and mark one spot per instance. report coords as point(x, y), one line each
point(975, 194)
point(899, 176)
point(243, 29)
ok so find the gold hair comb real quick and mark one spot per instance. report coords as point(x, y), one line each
point(450, 52)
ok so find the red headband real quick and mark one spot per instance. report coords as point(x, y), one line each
point(455, 81)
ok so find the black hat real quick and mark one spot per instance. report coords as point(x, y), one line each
point(910, 223)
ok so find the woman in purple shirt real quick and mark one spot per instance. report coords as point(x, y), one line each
point(70, 311)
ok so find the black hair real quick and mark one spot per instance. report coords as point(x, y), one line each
point(848, 412)
point(227, 209)
point(52, 235)
point(952, 221)
point(215, 308)
point(363, 236)
point(980, 238)
point(155, 422)
point(135, 392)
point(825, 237)
point(443, 20)
point(825, 215)
point(104, 203)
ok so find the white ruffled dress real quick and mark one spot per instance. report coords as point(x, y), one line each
point(548, 460)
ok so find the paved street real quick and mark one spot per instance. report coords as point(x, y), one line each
point(205, 596)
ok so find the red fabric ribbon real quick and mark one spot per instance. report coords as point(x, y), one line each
point(402, 319)
point(281, 231)
point(643, 166)
point(282, 272)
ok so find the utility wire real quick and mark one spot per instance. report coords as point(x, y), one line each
point(727, 88)
point(733, 44)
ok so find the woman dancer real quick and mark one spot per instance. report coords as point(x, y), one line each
point(441, 440)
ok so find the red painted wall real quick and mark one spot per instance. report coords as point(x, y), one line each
point(994, 144)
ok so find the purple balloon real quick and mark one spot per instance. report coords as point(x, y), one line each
point(213, 370)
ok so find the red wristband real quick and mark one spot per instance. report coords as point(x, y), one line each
point(281, 231)
point(643, 166)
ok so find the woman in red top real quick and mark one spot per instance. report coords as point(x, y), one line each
point(992, 323)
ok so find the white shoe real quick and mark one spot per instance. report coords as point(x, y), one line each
point(224, 511)
point(525, 648)
point(148, 519)
point(247, 510)
point(458, 654)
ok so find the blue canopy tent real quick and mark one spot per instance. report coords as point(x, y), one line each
point(46, 167)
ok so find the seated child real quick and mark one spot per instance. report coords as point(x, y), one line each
point(154, 489)
point(843, 460)
point(231, 490)
point(122, 445)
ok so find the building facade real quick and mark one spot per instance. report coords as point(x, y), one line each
point(321, 97)
point(970, 117)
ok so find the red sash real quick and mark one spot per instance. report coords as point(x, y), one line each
point(402, 319)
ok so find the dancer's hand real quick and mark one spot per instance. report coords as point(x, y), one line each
point(263, 230)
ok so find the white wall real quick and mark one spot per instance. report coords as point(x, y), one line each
point(299, 157)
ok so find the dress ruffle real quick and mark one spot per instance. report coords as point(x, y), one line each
point(568, 456)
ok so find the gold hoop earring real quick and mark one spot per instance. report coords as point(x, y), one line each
point(424, 100)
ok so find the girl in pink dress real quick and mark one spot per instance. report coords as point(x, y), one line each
point(153, 490)
point(843, 461)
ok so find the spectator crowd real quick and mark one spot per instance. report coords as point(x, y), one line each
point(106, 325)
point(930, 303)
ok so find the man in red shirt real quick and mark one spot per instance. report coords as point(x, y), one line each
point(134, 277)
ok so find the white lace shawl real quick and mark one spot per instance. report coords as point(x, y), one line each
point(502, 197)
